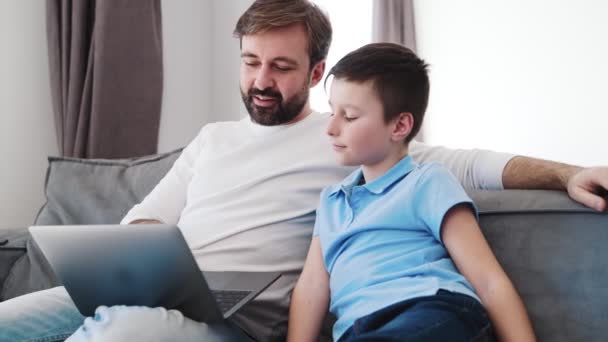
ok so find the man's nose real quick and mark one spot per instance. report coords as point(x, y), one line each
point(264, 78)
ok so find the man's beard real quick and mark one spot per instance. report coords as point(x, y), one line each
point(281, 112)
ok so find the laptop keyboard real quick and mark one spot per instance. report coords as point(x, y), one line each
point(227, 299)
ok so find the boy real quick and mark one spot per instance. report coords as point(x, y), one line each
point(396, 244)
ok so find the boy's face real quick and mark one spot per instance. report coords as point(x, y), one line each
point(357, 129)
point(275, 76)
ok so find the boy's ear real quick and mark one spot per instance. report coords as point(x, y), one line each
point(404, 124)
point(317, 73)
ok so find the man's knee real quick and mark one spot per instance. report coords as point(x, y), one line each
point(44, 315)
point(123, 323)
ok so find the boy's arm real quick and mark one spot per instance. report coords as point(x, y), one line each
point(310, 298)
point(472, 255)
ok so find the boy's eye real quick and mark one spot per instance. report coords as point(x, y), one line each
point(350, 118)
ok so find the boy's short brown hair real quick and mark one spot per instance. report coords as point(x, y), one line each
point(264, 15)
point(399, 78)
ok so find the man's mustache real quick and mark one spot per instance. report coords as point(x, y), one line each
point(265, 92)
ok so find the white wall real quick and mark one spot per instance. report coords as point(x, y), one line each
point(27, 134)
point(522, 76)
point(226, 102)
point(351, 30)
point(201, 67)
point(186, 59)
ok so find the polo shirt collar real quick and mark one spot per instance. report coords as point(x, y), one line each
point(378, 185)
point(349, 182)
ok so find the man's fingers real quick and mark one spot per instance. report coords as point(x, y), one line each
point(589, 199)
point(599, 177)
point(603, 182)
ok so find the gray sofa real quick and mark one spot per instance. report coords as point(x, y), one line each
point(554, 250)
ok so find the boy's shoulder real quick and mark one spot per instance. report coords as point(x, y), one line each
point(430, 168)
point(428, 173)
point(423, 170)
point(432, 176)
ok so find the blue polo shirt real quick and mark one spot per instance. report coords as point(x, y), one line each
point(381, 241)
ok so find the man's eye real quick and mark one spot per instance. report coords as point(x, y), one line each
point(283, 69)
point(350, 118)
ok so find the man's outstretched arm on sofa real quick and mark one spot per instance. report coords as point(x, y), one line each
point(588, 186)
point(484, 169)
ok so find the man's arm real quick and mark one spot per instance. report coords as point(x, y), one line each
point(483, 169)
point(474, 169)
point(585, 185)
point(167, 200)
point(310, 298)
point(145, 222)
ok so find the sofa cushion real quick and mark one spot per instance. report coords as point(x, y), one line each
point(98, 191)
point(78, 191)
point(555, 252)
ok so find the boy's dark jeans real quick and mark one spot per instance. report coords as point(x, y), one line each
point(446, 316)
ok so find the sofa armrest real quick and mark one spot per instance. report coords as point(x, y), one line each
point(12, 247)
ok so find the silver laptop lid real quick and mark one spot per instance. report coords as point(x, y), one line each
point(149, 265)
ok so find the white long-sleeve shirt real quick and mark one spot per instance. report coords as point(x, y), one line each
point(244, 197)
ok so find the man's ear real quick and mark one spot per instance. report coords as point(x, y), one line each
point(317, 73)
point(403, 126)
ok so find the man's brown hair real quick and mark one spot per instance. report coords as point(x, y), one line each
point(264, 15)
point(399, 78)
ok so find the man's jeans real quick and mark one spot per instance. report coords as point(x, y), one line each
point(50, 315)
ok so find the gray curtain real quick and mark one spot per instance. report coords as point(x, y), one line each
point(393, 21)
point(105, 63)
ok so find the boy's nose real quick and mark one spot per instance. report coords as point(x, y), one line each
point(332, 127)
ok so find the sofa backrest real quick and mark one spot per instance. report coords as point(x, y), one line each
point(556, 253)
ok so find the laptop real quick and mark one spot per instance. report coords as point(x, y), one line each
point(143, 265)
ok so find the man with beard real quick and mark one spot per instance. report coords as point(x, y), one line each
point(244, 193)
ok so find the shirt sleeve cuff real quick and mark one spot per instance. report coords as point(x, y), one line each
point(133, 216)
point(489, 169)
